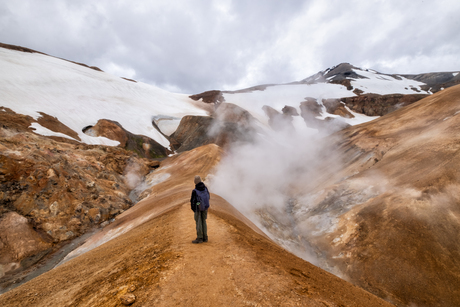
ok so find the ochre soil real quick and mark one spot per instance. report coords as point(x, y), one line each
point(402, 244)
point(157, 262)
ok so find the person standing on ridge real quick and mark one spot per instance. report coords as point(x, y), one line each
point(200, 204)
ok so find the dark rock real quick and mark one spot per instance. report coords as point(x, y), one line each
point(214, 97)
point(309, 109)
point(344, 82)
point(191, 133)
point(140, 144)
point(334, 106)
point(288, 110)
point(278, 121)
point(379, 105)
point(229, 124)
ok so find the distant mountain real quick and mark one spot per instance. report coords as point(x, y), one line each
point(431, 82)
point(343, 94)
point(67, 100)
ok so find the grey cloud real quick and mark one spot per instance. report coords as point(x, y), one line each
point(193, 46)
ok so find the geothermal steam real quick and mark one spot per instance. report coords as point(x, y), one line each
point(271, 178)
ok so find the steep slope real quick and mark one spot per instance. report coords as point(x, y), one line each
point(375, 203)
point(413, 219)
point(157, 264)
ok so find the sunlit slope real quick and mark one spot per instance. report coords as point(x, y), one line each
point(157, 262)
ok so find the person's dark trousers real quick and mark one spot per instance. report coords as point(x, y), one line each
point(201, 227)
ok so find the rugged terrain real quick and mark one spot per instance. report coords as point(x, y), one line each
point(379, 207)
point(53, 191)
point(157, 263)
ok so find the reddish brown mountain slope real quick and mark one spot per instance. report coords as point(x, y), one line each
point(398, 204)
point(157, 263)
point(52, 192)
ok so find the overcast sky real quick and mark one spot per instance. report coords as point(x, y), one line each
point(191, 46)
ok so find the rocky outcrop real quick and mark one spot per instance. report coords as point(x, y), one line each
point(280, 121)
point(140, 144)
point(334, 106)
point(310, 109)
point(291, 111)
point(232, 124)
point(228, 124)
point(337, 74)
point(191, 133)
point(214, 97)
point(15, 122)
point(379, 105)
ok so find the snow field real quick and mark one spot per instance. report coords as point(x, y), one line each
point(79, 96)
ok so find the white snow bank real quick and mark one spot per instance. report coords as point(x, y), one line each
point(79, 96)
point(88, 140)
point(358, 118)
point(384, 85)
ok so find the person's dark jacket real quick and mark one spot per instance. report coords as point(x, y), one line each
point(200, 187)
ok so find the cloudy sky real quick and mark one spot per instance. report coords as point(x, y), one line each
point(191, 46)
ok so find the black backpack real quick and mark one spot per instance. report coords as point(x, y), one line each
point(202, 199)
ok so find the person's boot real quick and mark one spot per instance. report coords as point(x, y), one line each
point(205, 239)
point(197, 240)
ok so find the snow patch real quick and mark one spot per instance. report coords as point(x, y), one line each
point(358, 118)
point(385, 85)
point(39, 129)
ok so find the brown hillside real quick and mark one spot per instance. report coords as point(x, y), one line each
point(397, 199)
point(157, 263)
point(52, 192)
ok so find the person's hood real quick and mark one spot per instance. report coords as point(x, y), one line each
point(200, 186)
